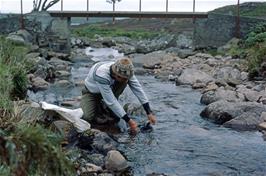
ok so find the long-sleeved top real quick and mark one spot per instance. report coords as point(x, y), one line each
point(99, 80)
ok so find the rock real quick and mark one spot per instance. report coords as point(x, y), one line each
point(262, 126)
point(62, 74)
point(29, 112)
point(151, 59)
point(115, 161)
point(219, 94)
point(63, 83)
point(223, 111)
point(210, 87)
point(191, 76)
point(244, 76)
point(66, 129)
point(39, 84)
point(244, 122)
point(184, 41)
point(105, 174)
point(159, 43)
point(228, 74)
point(198, 85)
point(103, 143)
point(125, 48)
point(21, 36)
point(182, 53)
point(251, 95)
point(92, 168)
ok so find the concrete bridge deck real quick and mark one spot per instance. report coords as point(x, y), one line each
point(130, 14)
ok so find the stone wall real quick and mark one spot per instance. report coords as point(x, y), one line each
point(218, 29)
point(9, 24)
point(46, 31)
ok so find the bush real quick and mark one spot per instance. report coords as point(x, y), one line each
point(255, 47)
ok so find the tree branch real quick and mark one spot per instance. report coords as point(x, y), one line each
point(43, 5)
point(39, 5)
point(50, 4)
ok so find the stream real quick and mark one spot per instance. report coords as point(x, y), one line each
point(182, 143)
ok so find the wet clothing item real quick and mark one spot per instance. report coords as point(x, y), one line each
point(101, 85)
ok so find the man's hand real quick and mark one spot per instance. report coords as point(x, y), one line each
point(133, 125)
point(152, 118)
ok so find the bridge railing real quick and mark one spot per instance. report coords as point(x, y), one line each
point(14, 6)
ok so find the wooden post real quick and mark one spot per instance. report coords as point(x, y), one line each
point(88, 3)
point(139, 9)
point(21, 15)
point(113, 11)
point(238, 20)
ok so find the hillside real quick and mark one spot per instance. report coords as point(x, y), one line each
point(251, 9)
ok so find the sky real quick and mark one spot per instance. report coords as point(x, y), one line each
point(13, 6)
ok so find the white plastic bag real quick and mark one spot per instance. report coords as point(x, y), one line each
point(71, 115)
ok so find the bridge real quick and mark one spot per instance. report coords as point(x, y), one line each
point(130, 14)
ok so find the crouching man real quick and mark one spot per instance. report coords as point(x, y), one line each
point(104, 84)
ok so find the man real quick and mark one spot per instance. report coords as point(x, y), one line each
point(106, 81)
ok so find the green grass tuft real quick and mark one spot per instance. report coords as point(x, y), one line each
point(93, 30)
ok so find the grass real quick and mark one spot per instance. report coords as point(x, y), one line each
point(12, 72)
point(93, 30)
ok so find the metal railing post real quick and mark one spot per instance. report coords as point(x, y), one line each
point(139, 9)
point(166, 6)
point(113, 11)
point(21, 15)
point(88, 5)
point(194, 8)
point(62, 4)
point(238, 20)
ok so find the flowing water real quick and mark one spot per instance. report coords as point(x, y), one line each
point(182, 143)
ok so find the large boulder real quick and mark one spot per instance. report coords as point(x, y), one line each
point(21, 36)
point(220, 94)
point(249, 113)
point(228, 74)
point(191, 76)
point(115, 161)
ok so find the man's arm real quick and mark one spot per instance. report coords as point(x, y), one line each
point(136, 88)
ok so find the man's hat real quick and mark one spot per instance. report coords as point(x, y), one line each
point(123, 67)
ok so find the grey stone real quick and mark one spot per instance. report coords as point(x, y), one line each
point(191, 76)
point(115, 161)
point(223, 111)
